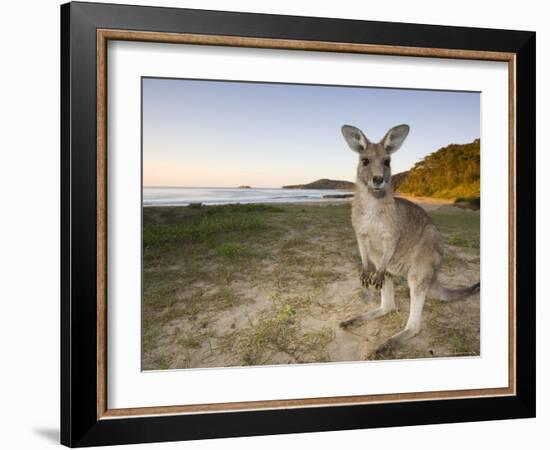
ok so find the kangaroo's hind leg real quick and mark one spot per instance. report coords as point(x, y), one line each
point(387, 304)
point(420, 280)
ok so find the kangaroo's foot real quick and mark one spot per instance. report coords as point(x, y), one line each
point(358, 320)
point(393, 343)
point(376, 313)
point(353, 322)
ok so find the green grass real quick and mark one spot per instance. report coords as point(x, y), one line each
point(172, 234)
point(235, 251)
point(458, 241)
point(459, 227)
point(151, 332)
point(468, 202)
point(198, 300)
point(188, 341)
point(200, 229)
point(458, 340)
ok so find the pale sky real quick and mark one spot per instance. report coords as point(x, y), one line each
point(199, 133)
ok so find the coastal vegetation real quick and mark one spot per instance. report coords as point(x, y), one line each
point(450, 172)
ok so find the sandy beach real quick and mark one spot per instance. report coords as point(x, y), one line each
point(268, 284)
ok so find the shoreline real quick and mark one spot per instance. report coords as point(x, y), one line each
point(430, 200)
point(328, 201)
point(428, 203)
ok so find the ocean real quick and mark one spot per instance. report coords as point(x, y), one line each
point(182, 196)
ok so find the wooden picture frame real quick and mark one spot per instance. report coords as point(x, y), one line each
point(86, 418)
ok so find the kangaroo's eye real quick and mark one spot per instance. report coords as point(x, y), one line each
point(387, 162)
point(365, 162)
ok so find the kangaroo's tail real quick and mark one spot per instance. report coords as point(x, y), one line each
point(449, 295)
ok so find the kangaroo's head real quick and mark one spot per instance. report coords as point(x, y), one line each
point(374, 168)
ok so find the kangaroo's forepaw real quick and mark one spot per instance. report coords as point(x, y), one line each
point(366, 277)
point(377, 279)
point(363, 278)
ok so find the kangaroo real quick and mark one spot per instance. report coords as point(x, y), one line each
point(396, 238)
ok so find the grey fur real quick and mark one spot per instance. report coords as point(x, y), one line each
point(396, 238)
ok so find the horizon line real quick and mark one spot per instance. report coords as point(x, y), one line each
point(235, 187)
point(323, 178)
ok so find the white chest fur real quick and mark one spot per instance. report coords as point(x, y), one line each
point(374, 220)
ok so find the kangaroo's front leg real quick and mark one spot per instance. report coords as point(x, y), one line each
point(367, 272)
point(389, 245)
point(367, 267)
point(387, 303)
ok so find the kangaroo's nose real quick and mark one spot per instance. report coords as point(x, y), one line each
point(376, 180)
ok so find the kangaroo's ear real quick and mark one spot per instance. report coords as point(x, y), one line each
point(355, 138)
point(394, 138)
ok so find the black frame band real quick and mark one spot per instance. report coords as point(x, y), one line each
point(79, 423)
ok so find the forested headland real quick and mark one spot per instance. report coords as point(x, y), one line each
point(450, 172)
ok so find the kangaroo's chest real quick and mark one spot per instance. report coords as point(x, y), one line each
point(374, 224)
